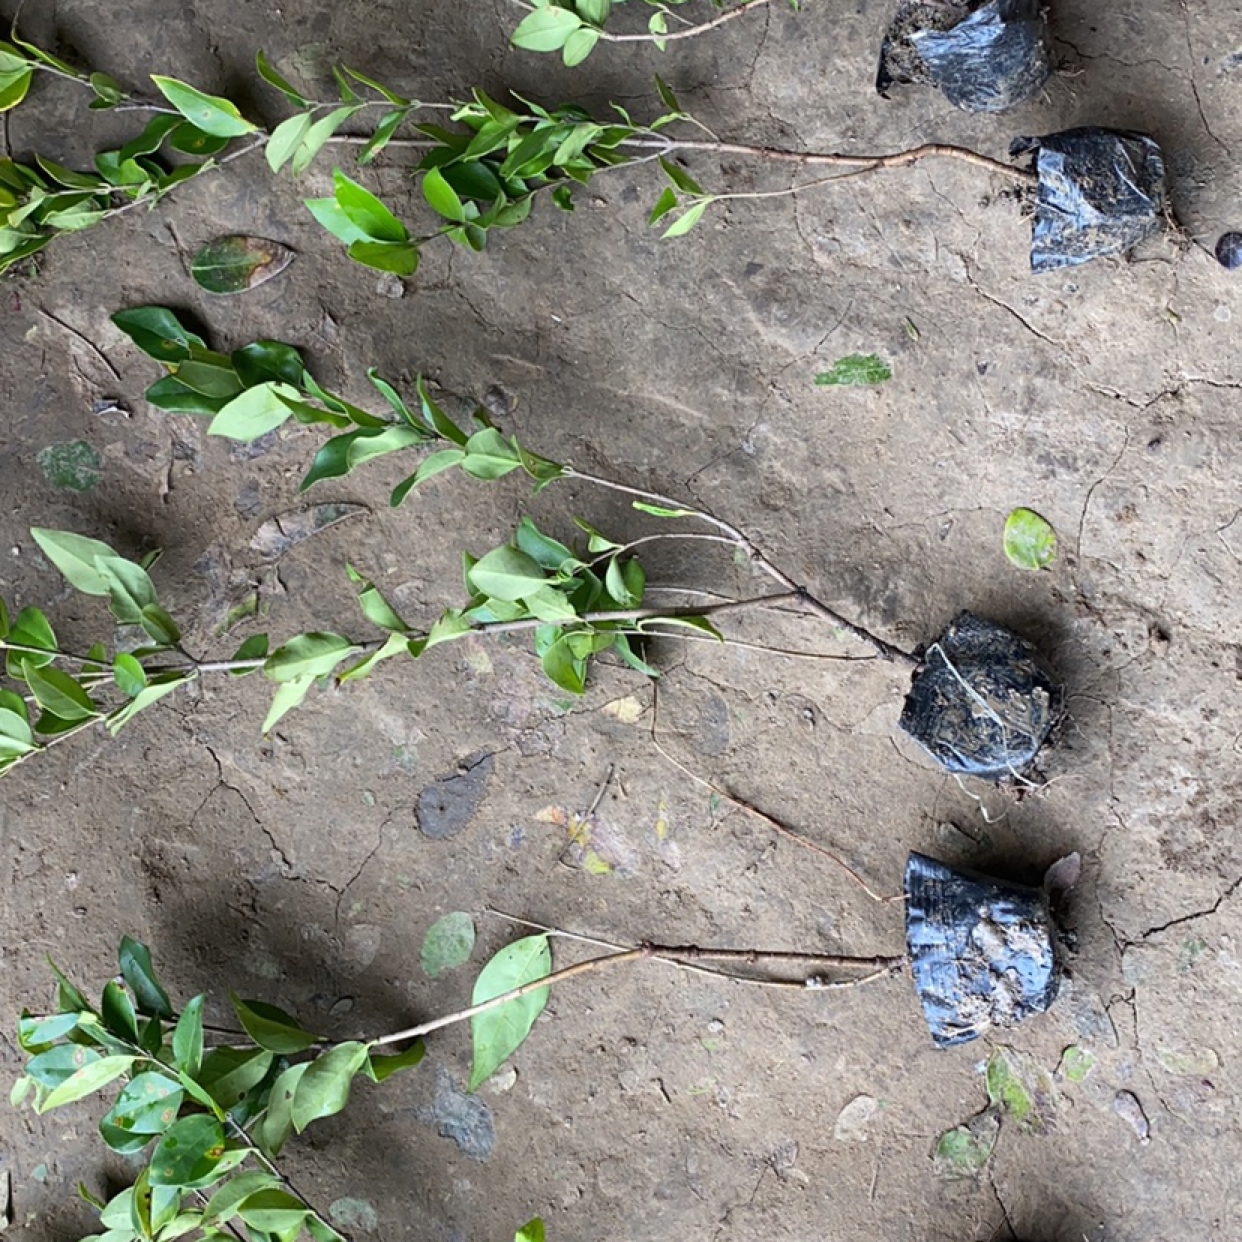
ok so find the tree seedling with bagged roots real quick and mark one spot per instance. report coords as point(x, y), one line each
point(982, 701)
point(207, 1109)
point(1091, 192)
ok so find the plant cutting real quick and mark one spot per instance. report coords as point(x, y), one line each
point(486, 171)
point(982, 701)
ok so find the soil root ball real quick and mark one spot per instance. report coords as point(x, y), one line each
point(982, 702)
point(984, 57)
point(981, 950)
point(1100, 192)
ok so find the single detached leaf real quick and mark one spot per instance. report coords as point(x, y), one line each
point(236, 263)
point(856, 369)
point(1029, 540)
point(497, 1033)
point(448, 943)
point(324, 1088)
point(189, 1150)
point(210, 113)
point(964, 1151)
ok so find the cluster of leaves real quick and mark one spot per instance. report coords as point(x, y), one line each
point(206, 1120)
point(67, 702)
point(486, 173)
point(38, 203)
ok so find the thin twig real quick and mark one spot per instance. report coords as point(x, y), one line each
point(896, 159)
point(802, 596)
point(750, 809)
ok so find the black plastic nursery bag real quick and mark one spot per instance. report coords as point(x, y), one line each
point(1100, 192)
point(982, 702)
point(983, 57)
point(981, 950)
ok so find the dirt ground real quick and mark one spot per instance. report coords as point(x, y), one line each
point(655, 1104)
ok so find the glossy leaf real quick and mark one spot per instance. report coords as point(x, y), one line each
point(129, 675)
point(265, 360)
point(146, 1107)
point(324, 1089)
point(157, 332)
point(272, 78)
point(137, 971)
point(56, 692)
point(270, 1027)
point(532, 1231)
point(277, 1122)
point(210, 113)
point(228, 1074)
point(507, 574)
point(379, 1067)
point(93, 1075)
point(187, 1040)
point(497, 1033)
point(317, 135)
point(254, 413)
point(59, 1064)
point(189, 1151)
point(399, 258)
point(441, 197)
point(222, 1206)
point(272, 1211)
point(130, 588)
point(365, 211)
point(307, 655)
point(117, 1011)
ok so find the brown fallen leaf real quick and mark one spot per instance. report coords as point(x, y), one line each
point(237, 263)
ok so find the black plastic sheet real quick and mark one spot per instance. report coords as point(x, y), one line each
point(1100, 192)
point(981, 950)
point(983, 57)
point(982, 702)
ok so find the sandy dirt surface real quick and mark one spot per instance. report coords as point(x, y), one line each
point(653, 1104)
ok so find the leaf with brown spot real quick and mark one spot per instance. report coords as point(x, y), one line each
point(237, 263)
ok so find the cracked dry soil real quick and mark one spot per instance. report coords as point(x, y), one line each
point(654, 1105)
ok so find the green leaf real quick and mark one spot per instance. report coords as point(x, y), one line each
point(664, 204)
point(441, 197)
point(75, 556)
point(395, 644)
point(579, 46)
point(273, 1211)
point(187, 1040)
point(58, 1064)
point(1029, 540)
point(68, 997)
point(550, 553)
point(149, 996)
point(344, 453)
point(270, 1027)
point(254, 648)
point(499, 1032)
point(272, 78)
point(212, 114)
point(190, 140)
point(222, 1206)
point(624, 582)
point(668, 99)
point(148, 1106)
point(13, 88)
point(130, 588)
point(375, 607)
point(545, 30)
point(277, 1123)
point(856, 369)
point(365, 211)
point(391, 96)
point(701, 624)
point(399, 258)
point(265, 360)
point(388, 125)
point(324, 1088)
point(532, 1231)
point(660, 511)
point(685, 222)
point(254, 413)
point(89, 1078)
point(379, 1067)
point(172, 395)
point(166, 683)
point(30, 629)
point(56, 692)
point(157, 332)
point(964, 1151)
point(33, 1032)
point(317, 135)
point(678, 175)
point(286, 698)
point(563, 667)
point(436, 418)
point(188, 1152)
point(238, 263)
point(307, 655)
point(228, 1074)
point(489, 455)
point(117, 1011)
point(285, 139)
point(448, 943)
point(107, 93)
point(507, 574)
point(431, 465)
point(129, 675)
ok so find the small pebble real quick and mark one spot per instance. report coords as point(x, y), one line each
point(1126, 1105)
point(1229, 250)
point(390, 286)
